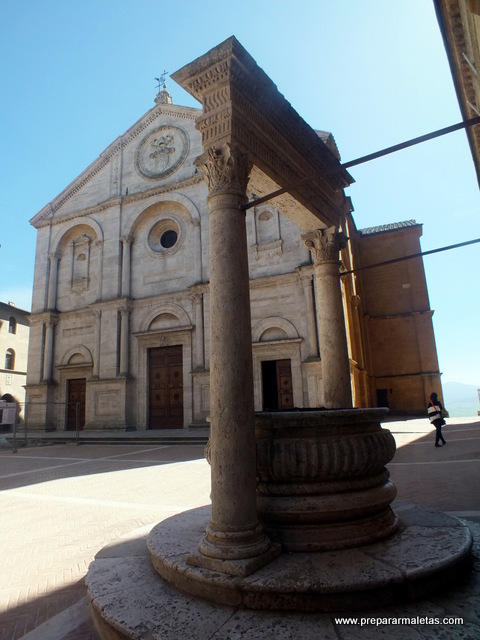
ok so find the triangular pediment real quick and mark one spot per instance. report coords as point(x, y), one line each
point(157, 150)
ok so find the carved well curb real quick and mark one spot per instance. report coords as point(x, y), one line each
point(322, 481)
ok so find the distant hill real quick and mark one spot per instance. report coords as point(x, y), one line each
point(461, 400)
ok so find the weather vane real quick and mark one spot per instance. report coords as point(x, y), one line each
point(161, 80)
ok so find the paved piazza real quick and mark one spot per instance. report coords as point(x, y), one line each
point(62, 503)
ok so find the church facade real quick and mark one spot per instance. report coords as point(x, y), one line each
point(120, 324)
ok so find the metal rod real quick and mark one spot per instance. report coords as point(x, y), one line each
point(371, 156)
point(410, 257)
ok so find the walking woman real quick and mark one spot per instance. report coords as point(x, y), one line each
point(434, 411)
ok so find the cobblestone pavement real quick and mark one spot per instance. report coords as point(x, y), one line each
point(61, 504)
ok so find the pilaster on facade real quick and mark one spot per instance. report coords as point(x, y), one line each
point(127, 242)
point(50, 323)
point(123, 364)
point(53, 260)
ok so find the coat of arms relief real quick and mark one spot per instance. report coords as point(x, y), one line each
point(162, 152)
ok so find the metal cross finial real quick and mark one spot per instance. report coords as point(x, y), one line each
point(161, 80)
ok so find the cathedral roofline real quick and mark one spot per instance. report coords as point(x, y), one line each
point(103, 159)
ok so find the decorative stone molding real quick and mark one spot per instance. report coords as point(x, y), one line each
point(162, 152)
point(225, 168)
point(78, 349)
point(70, 224)
point(325, 244)
point(242, 105)
point(176, 310)
point(274, 322)
point(115, 202)
point(106, 156)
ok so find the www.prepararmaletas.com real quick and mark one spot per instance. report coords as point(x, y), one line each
point(415, 620)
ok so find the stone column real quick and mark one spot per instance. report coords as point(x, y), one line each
point(124, 338)
point(325, 245)
point(52, 281)
point(48, 357)
point(126, 254)
point(234, 541)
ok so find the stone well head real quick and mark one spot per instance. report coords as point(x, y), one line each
point(322, 480)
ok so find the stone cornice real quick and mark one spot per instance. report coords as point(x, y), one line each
point(197, 178)
point(243, 106)
point(282, 279)
point(104, 158)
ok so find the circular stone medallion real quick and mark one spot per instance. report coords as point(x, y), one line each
point(161, 152)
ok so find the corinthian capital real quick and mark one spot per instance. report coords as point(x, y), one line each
point(226, 168)
point(325, 244)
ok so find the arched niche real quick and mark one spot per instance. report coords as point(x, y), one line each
point(77, 356)
point(165, 317)
point(74, 228)
point(161, 207)
point(78, 248)
point(273, 328)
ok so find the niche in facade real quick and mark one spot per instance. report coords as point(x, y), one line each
point(268, 242)
point(80, 277)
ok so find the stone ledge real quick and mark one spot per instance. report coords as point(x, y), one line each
point(129, 600)
point(429, 550)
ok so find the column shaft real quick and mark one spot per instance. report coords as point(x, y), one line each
point(234, 533)
point(325, 245)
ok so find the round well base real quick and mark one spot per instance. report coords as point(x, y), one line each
point(129, 600)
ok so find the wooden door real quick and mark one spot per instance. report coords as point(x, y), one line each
point(277, 385)
point(76, 392)
point(284, 384)
point(165, 374)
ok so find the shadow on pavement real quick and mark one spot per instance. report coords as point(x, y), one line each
point(61, 461)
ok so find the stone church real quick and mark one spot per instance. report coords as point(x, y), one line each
point(120, 324)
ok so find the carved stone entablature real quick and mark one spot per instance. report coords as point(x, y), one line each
point(225, 168)
point(241, 105)
point(458, 21)
point(325, 244)
point(47, 220)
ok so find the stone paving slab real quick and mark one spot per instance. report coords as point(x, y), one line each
point(56, 515)
point(59, 509)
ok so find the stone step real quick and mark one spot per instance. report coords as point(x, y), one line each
point(165, 437)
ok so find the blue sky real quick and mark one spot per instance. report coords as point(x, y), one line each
point(76, 74)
